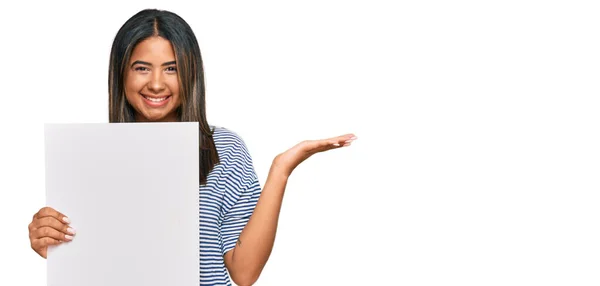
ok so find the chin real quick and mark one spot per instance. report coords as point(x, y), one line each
point(153, 118)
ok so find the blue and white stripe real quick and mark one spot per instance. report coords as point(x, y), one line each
point(226, 204)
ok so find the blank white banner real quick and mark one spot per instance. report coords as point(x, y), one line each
point(131, 193)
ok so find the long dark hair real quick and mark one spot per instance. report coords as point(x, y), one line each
point(167, 25)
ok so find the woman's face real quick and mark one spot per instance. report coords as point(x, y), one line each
point(151, 83)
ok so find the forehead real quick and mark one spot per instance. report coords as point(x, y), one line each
point(153, 49)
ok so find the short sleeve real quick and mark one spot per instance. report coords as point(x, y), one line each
point(241, 194)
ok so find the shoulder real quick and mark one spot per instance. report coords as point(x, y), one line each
point(235, 169)
point(230, 145)
point(226, 139)
point(225, 134)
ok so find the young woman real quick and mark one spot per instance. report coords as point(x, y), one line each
point(156, 74)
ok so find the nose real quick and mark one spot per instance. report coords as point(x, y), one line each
point(156, 83)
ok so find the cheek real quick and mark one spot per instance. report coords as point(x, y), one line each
point(132, 87)
point(133, 84)
point(173, 84)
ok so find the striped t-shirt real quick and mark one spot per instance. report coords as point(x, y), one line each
point(226, 204)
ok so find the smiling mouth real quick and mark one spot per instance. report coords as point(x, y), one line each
point(156, 99)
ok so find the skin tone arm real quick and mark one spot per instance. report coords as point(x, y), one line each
point(247, 260)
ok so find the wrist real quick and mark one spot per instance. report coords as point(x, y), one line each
point(280, 168)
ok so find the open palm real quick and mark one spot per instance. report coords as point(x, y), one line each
point(291, 158)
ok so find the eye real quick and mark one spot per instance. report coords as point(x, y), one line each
point(142, 69)
point(171, 69)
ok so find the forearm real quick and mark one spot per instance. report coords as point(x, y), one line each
point(255, 243)
point(246, 261)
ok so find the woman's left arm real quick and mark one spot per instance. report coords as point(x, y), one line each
point(246, 261)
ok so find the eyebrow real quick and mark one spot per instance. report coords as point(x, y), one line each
point(149, 64)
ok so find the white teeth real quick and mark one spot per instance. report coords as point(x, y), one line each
point(155, 99)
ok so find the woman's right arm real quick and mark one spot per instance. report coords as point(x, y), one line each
point(49, 227)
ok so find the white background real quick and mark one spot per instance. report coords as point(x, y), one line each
point(478, 155)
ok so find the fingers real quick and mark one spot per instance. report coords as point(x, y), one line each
point(311, 147)
point(342, 141)
point(50, 223)
point(53, 223)
point(49, 227)
point(315, 146)
point(50, 212)
point(49, 232)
